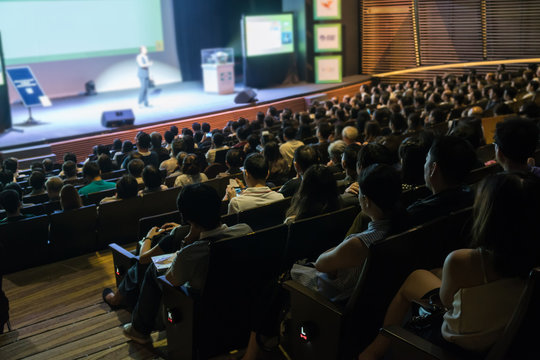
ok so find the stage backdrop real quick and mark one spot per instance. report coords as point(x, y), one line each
point(68, 43)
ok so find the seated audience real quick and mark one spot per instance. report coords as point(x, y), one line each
point(191, 172)
point(278, 166)
point(481, 286)
point(69, 170)
point(234, 159)
point(135, 168)
point(257, 193)
point(54, 185)
point(152, 180)
point(171, 164)
point(12, 164)
point(324, 130)
point(337, 270)
point(516, 140)
point(412, 155)
point(12, 204)
point(48, 166)
point(217, 145)
point(449, 161)
point(119, 156)
point(350, 135)
point(126, 188)
point(105, 163)
point(335, 152)
point(199, 206)
point(162, 153)
point(348, 162)
point(287, 149)
point(143, 152)
point(93, 176)
point(37, 183)
point(70, 198)
point(318, 194)
point(304, 157)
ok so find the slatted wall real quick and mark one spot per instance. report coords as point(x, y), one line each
point(387, 36)
point(398, 35)
point(450, 31)
point(513, 29)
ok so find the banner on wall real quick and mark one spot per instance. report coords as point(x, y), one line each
point(327, 10)
point(327, 37)
point(328, 69)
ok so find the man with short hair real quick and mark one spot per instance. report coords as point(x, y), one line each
point(304, 157)
point(257, 193)
point(12, 164)
point(449, 161)
point(69, 168)
point(217, 145)
point(171, 164)
point(349, 134)
point(291, 144)
point(516, 140)
point(323, 132)
point(12, 204)
point(135, 167)
point(54, 185)
point(149, 157)
point(234, 159)
point(199, 205)
point(37, 182)
point(92, 173)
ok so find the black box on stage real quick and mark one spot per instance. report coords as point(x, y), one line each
point(117, 118)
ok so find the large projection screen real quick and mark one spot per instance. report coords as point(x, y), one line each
point(69, 42)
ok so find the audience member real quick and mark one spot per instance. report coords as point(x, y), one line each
point(54, 185)
point(162, 153)
point(304, 157)
point(191, 172)
point(171, 164)
point(93, 175)
point(287, 149)
point(69, 170)
point(257, 193)
point(217, 145)
point(152, 180)
point(37, 183)
point(12, 204)
point(70, 198)
point(278, 166)
point(323, 132)
point(317, 194)
point(126, 188)
point(143, 151)
point(135, 167)
point(449, 161)
point(199, 206)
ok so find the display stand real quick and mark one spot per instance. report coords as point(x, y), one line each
point(29, 90)
point(218, 70)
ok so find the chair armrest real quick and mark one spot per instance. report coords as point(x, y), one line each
point(123, 252)
point(297, 289)
point(397, 334)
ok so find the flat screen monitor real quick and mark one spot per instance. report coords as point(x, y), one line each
point(268, 34)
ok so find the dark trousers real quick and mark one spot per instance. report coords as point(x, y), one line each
point(4, 307)
point(143, 92)
point(130, 287)
point(145, 312)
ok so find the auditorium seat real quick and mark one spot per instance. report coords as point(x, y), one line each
point(308, 238)
point(25, 243)
point(118, 221)
point(35, 199)
point(36, 209)
point(115, 174)
point(486, 153)
point(95, 197)
point(478, 174)
point(519, 340)
point(220, 156)
point(340, 331)
point(73, 232)
point(217, 320)
point(160, 201)
point(214, 169)
point(265, 216)
point(410, 196)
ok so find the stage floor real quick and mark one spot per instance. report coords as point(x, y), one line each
point(81, 115)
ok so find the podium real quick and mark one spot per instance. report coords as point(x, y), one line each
point(218, 70)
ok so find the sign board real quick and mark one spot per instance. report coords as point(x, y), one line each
point(328, 69)
point(27, 86)
point(327, 37)
point(327, 10)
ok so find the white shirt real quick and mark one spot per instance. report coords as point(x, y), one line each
point(253, 197)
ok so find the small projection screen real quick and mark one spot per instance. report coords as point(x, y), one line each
point(268, 34)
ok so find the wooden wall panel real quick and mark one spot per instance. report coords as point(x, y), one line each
point(450, 31)
point(387, 36)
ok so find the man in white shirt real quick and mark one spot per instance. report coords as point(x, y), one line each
point(287, 149)
point(144, 64)
point(257, 193)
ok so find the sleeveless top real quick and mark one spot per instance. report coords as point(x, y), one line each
point(479, 314)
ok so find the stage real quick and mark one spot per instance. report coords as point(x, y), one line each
point(80, 116)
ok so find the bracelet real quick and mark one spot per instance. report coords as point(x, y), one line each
point(146, 238)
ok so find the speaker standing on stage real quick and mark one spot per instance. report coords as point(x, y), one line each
point(144, 77)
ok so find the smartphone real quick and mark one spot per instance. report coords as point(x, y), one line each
point(209, 135)
point(238, 190)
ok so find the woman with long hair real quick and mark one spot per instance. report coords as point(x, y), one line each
point(279, 169)
point(318, 194)
point(480, 286)
point(191, 172)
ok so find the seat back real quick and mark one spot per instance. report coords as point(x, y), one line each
point(160, 202)
point(308, 238)
point(410, 196)
point(521, 334)
point(118, 221)
point(214, 169)
point(113, 174)
point(239, 271)
point(486, 153)
point(25, 243)
point(389, 263)
point(36, 199)
point(95, 197)
point(265, 216)
point(73, 232)
point(478, 174)
point(148, 222)
point(220, 156)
